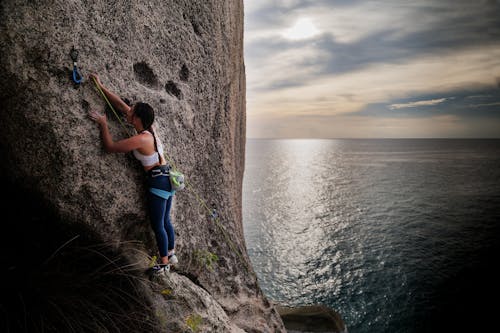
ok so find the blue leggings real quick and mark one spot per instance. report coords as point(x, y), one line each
point(159, 213)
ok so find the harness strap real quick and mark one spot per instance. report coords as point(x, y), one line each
point(161, 193)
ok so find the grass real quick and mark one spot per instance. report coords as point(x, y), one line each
point(59, 276)
point(205, 259)
point(194, 321)
point(81, 289)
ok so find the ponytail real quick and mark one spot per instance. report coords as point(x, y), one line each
point(154, 140)
point(147, 115)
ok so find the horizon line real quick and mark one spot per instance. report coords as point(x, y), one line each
point(376, 138)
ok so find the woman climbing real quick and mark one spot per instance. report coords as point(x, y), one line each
point(148, 149)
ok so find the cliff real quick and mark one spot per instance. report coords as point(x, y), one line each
point(76, 238)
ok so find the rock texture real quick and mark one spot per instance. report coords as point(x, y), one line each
point(312, 319)
point(185, 58)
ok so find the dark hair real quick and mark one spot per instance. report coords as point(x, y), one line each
point(146, 113)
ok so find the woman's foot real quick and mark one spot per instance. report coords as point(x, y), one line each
point(172, 258)
point(159, 269)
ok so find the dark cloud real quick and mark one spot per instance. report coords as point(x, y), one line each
point(478, 103)
point(454, 26)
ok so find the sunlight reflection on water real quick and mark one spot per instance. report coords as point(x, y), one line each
point(362, 225)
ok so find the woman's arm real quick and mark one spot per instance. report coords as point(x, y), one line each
point(114, 99)
point(121, 146)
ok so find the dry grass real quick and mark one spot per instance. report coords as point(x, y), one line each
point(57, 276)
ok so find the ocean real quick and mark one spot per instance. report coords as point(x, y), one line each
point(397, 235)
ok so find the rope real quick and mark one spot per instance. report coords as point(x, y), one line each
point(111, 106)
point(188, 186)
point(219, 225)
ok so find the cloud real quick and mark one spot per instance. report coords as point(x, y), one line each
point(357, 35)
point(418, 103)
point(481, 102)
point(425, 78)
point(372, 59)
point(484, 105)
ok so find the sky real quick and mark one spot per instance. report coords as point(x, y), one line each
point(372, 69)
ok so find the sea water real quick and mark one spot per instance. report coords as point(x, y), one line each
point(395, 235)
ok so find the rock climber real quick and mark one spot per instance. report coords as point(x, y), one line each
point(148, 149)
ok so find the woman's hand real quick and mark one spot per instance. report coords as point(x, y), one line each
point(98, 118)
point(96, 78)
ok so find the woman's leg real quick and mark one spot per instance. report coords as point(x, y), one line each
point(167, 224)
point(157, 210)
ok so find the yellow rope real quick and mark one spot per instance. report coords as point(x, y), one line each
point(219, 225)
point(111, 106)
point(188, 186)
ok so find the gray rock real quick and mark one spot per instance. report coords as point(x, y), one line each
point(185, 58)
point(188, 305)
point(311, 319)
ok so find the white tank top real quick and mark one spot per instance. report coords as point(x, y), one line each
point(149, 160)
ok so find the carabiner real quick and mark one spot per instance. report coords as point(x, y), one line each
point(77, 76)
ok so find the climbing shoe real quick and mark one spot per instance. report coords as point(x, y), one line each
point(160, 269)
point(172, 259)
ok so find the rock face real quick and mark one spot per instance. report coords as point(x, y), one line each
point(312, 319)
point(185, 58)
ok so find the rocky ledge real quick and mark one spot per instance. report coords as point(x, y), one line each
point(311, 319)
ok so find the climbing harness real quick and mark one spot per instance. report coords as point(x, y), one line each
point(161, 193)
point(77, 77)
point(181, 183)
